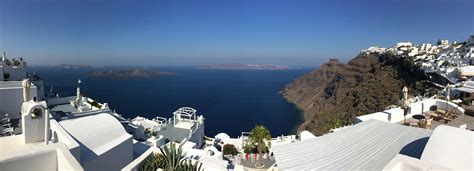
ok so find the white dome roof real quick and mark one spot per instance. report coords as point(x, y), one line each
point(222, 137)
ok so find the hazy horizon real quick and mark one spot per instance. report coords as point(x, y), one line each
point(190, 33)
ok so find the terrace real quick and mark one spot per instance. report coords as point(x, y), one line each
point(425, 113)
point(184, 126)
point(441, 113)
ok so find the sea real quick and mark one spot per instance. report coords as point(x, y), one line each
point(231, 101)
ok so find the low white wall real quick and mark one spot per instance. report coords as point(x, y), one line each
point(62, 100)
point(198, 136)
point(66, 161)
point(62, 136)
point(395, 115)
point(135, 164)
point(51, 157)
point(16, 73)
point(13, 100)
point(40, 160)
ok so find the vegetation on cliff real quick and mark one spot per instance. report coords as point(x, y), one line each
point(335, 93)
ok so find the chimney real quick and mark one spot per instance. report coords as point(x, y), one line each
point(26, 89)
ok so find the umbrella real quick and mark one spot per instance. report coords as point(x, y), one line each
point(448, 91)
point(405, 102)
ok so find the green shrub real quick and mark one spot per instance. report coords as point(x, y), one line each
point(95, 104)
point(229, 149)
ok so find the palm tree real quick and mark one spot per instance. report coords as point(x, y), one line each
point(258, 135)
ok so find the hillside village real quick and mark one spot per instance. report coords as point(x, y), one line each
point(451, 60)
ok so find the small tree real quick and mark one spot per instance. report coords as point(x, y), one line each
point(258, 136)
point(229, 149)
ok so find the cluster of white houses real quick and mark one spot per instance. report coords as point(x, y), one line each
point(79, 133)
point(444, 62)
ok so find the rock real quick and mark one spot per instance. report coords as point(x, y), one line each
point(335, 93)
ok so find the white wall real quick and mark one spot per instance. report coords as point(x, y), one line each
point(39, 88)
point(11, 100)
point(198, 136)
point(114, 159)
point(44, 158)
point(395, 115)
point(1, 73)
point(135, 164)
point(16, 73)
point(62, 136)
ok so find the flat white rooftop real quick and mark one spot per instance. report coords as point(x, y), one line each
point(14, 145)
point(16, 155)
point(369, 145)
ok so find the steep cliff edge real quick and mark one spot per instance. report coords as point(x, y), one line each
point(335, 93)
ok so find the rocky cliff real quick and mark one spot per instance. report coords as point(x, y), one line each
point(335, 93)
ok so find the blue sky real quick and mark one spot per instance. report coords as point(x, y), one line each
point(182, 32)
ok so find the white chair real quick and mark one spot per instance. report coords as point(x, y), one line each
point(463, 126)
point(6, 121)
point(7, 131)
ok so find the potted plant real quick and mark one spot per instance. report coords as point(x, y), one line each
point(147, 132)
point(247, 150)
point(154, 134)
point(258, 136)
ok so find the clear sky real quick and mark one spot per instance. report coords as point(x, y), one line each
point(194, 32)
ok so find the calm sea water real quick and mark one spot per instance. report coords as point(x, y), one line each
point(231, 101)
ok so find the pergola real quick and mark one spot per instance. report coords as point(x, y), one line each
point(159, 120)
point(184, 113)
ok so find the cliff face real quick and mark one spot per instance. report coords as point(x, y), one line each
point(335, 93)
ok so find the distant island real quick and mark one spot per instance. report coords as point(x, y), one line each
point(72, 66)
point(238, 66)
point(124, 74)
